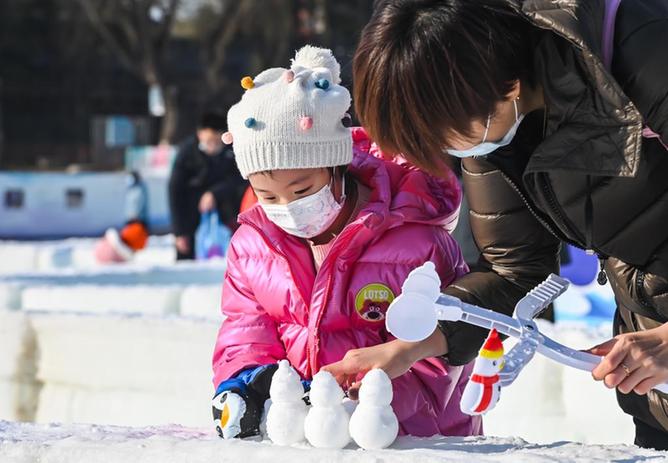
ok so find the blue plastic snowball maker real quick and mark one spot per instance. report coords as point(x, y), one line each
point(250, 122)
point(322, 84)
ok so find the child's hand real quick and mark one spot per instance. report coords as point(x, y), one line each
point(394, 357)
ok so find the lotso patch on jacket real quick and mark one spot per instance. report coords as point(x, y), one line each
point(372, 302)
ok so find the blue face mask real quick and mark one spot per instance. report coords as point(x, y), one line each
point(486, 147)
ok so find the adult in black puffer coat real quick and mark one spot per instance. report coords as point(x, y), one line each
point(204, 177)
point(458, 76)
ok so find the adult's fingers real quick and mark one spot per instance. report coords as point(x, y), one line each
point(603, 348)
point(610, 362)
point(644, 386)
point(630, 382)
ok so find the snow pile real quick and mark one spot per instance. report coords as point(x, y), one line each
point(124, 370)
point(23, 443)
point(18, 389)
point(202, 301)
point(10, 296)
point(17, 257)
point(150, 300)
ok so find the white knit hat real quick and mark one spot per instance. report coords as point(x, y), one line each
point(292, 118)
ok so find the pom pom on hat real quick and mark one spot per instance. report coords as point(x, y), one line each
point(227, 138)
point(314, 57)
point(305, 123)
point(247, 83)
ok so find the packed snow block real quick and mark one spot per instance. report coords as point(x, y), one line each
point(74, 404)
point(202, 301)
point(146, 299)
point(10, 296)
point(18, 387)
point(17, 257)
point(125, 370)
point(131, 273)
point(57, 443)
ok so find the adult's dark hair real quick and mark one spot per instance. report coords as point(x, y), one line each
point(213, 121)
point(425, 68)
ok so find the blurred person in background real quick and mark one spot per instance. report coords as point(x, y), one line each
point(204, 178)
point(120, 246)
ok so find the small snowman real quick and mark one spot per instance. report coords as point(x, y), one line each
point(373, 424)
point(285, 417)
point(326, 425)
point(483, 390)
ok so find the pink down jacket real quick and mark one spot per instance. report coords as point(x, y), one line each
point(278, 307)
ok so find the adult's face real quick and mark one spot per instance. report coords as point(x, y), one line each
point(210, 141)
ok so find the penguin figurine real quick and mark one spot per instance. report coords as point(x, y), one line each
point(484, 388)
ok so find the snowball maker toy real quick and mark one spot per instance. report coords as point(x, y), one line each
point(413, 316)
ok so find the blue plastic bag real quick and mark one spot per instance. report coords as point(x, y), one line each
point(211, 237)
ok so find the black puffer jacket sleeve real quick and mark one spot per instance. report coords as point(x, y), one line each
point(517, 253)
point(640, 60)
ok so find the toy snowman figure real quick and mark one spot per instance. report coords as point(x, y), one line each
point(483, 389)
point(326, 425)
point(373, 424)
point(285, 417)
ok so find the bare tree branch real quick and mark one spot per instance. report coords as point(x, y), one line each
point(124, 56)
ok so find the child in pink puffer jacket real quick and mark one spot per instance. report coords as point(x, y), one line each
point(314, 266)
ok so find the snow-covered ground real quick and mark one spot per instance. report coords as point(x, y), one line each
point(130, 345)
point(27, 443)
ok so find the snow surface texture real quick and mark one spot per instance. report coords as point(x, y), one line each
point(27, 443)
point(132, 371)
point(154, 370)
point(18, 389)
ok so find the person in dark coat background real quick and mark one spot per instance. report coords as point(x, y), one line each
point(204, 177)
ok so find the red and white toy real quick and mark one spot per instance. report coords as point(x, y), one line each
point(484, 388)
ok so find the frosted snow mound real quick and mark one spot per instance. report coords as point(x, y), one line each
point(146, 299)
point(124, 370)
point(23, 443)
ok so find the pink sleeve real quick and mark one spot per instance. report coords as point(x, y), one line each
point(248, 337)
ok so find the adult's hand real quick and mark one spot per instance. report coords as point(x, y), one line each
point(394, 357)
point(634, 361)
point(207, 202)
point(183, 244)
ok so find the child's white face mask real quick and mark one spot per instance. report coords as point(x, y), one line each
point(307, 217)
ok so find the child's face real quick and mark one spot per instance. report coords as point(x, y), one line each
point(285, 186)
